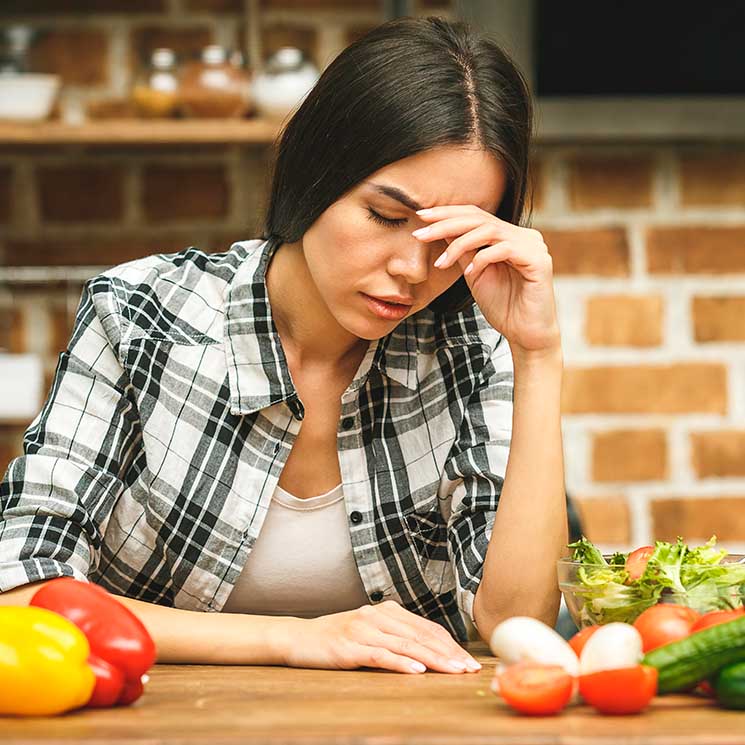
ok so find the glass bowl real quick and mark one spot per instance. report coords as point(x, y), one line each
point(601, 598)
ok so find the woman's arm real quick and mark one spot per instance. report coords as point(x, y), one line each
point(529, 531)
point(384, 636)
point(194, 637)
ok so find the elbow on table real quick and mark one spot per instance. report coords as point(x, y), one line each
point(488, 616)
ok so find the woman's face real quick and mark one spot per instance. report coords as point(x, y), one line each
point(361, 248)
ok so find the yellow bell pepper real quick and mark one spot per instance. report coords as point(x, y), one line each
point(43, 667)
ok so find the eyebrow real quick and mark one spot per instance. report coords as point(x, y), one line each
point(400, 196)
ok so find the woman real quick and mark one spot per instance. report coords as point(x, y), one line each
point(311, 430)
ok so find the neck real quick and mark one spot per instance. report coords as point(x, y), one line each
point(309, 332)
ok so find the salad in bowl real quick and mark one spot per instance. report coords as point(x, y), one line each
point(602, 588)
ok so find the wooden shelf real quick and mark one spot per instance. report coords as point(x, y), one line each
point(141, 132)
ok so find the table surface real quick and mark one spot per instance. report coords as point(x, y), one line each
point(225, 705)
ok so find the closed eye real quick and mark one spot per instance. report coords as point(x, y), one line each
point(389, 221)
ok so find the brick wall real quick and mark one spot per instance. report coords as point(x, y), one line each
point(649, 249)
point(648, 242)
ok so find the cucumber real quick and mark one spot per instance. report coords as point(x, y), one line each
point(683, 664)
point(730, 686)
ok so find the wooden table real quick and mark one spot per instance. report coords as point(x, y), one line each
point(248, 705)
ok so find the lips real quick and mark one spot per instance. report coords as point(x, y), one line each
point(386, 309)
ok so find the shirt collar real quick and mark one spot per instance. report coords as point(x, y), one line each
point(258, 374)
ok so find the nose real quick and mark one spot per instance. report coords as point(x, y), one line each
point(411, 261)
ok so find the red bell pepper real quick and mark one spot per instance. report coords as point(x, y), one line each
point(122, 650)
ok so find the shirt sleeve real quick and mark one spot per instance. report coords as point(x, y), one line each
point(474, 473)
point(57, 496)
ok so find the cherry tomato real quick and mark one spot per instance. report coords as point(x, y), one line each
point(715, 617)
point(627, 690)
point(578, 641)
point(536, 689)
point(636, 562)
point(664, 623)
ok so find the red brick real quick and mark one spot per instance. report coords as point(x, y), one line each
point(6, 194)
point(654, 389)
point(610, 181)
point(604, 519)
point(187, 43)
point(713, 178)
point(61, 321)
point(696, 250)
point(12, 330)
point(698, 519)
point(92, 251)
point(35, 7)
point(81, 192)
point(625, 320)
point(718, 318)
point(11, 445)
point(629, 455)
point(718, 454)
point(80, 56)
point(597, 252)
point(185, 192)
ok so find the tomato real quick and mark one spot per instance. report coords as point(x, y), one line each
point(536, 689)
point(664, 623)
point(636, 562)
point(578, 641)
point(716, 617)
point(627, 690)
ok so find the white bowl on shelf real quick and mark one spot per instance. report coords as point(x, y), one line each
point(27, 97)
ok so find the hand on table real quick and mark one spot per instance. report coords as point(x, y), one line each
point(385, 636)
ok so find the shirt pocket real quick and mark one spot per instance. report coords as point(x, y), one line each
point(426, 532)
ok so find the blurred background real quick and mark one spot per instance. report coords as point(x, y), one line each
point(131, 127)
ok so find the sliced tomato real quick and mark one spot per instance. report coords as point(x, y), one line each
point(536, 689)
point(636, 561)
point(578, 641)
point(665, 623)
point(715, 617)
point(627, 690)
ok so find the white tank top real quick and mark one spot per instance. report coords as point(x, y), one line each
point(302, 562)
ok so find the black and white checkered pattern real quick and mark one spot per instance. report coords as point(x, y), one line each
point(152, 464)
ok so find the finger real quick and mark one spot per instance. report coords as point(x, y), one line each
point(449, 228)
point(478, 238)
point(432, 214)
point(446, 648)
point(411, 649)
point(363, 655)
point(532, 265)
point(424, 630)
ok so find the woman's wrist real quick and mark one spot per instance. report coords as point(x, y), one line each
point(548, 358)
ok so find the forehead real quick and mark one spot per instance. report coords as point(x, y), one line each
point(448, 175)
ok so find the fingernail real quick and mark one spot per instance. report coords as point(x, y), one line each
point(473, 665)
point(457, 665)
point(417, 667)
point(424, 212)
point(420, 232)
point(442, 258)
point(469, 269)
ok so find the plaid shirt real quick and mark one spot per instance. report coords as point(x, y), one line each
point(152, 464)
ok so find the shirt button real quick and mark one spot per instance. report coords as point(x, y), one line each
point(356, 517)
point(347, 422)
point(376, 596)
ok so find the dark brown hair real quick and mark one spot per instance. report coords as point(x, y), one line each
point(409, 85)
